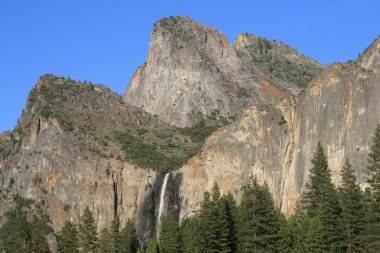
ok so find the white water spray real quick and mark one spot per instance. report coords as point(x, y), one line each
point(162, 198)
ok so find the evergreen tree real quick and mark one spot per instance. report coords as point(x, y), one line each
point(114, 237)
point(105, 245)
point(299, 223)
point(152, 246)
point(373, 173)
point(315, 240)
point(213, 229)
point(68, 241)
point(39, 229)
point(322, 200)
point(229, 208)
point(258, 219)
point(353, 210)
point(169, 237)
point(189, 235)
point(285, 243)
point(16, 232)
point(87, 232)
point(128, 238)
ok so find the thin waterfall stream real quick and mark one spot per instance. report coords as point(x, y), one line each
point(162, 198)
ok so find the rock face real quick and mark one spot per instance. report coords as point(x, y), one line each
point(277, 60)
point(65, 152)
point(276, 142)
point(371, 57)
point(62, 155)
point(193, 71)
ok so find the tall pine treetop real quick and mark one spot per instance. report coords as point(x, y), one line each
point(373, 169)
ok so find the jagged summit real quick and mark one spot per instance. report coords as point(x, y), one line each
point(370, 59)
point(193, 72)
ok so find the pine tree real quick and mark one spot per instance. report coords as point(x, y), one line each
point(299, 223)
point(322, 200)
point(19, 232)
point(373, 173)
point(189, 236)
point(115, 239)
point(152, 246)
point(39, 229)
point(128, 238)
point(68, 241)
point(315, 240)
point(213, 229)
point(353, 210)
point(87, 232)
point(259, 220)
point(169, 240)
point(105, 245)
point(230, 209)
point(285, 243)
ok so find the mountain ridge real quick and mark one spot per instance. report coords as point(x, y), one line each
point(65, 141)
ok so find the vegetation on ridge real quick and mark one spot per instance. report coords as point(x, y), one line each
point(165, 149)
point(96, 119)
point(296, 71)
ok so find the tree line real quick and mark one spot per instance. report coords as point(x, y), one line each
point(84, 237)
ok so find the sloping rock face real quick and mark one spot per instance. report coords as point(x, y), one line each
point(63, 156)
point(371, 57)
point(193, 71)
point(278, 61)
point(276, 142)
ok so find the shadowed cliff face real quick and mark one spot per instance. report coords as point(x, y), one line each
point(340, 109)
point(192, 70)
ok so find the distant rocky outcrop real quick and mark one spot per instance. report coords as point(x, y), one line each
point(192, 71)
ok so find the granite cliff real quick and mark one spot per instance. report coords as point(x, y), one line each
point(67, 153)
point(192, 71)
point(80, 145)
point(276, 142)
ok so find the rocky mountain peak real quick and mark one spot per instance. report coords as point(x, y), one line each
point(193, 72)
point(371, 57)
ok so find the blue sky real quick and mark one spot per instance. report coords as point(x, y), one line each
point(105, 41)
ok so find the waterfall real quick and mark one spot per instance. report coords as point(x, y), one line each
point(162, 198)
